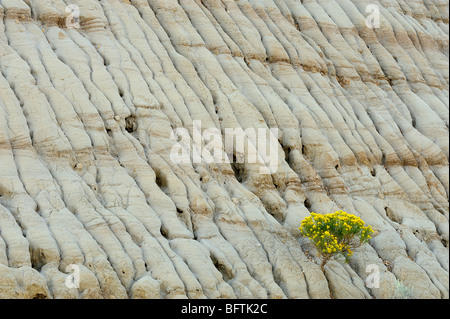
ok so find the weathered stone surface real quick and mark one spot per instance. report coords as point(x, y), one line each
point(86, 122)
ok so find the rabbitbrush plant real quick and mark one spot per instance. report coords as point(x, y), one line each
point(334, 234)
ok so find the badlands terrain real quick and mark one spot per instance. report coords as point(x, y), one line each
point(91, 93)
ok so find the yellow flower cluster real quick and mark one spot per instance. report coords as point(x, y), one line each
point(331, 244)
point(334, 233)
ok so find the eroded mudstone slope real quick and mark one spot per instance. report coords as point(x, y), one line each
point(87, 122)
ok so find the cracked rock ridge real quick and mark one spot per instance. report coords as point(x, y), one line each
point(87, 117)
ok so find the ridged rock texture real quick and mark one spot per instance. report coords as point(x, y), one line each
point(87, 114)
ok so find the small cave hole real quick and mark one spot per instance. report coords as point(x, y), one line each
point(160, 181)
point(307, 204)
point(238, 170)
point(287, 151)
point(221, 268)
point(163, 232)
point(391, 215)
point(130, 124)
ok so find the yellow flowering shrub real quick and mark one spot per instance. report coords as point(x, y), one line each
point(335, 234)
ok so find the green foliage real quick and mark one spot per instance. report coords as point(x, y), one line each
point(402, 291)
point(336, 233)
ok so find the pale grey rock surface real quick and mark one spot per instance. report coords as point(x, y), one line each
point(86, 177)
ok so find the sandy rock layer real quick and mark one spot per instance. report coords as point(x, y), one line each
point(88, 187)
